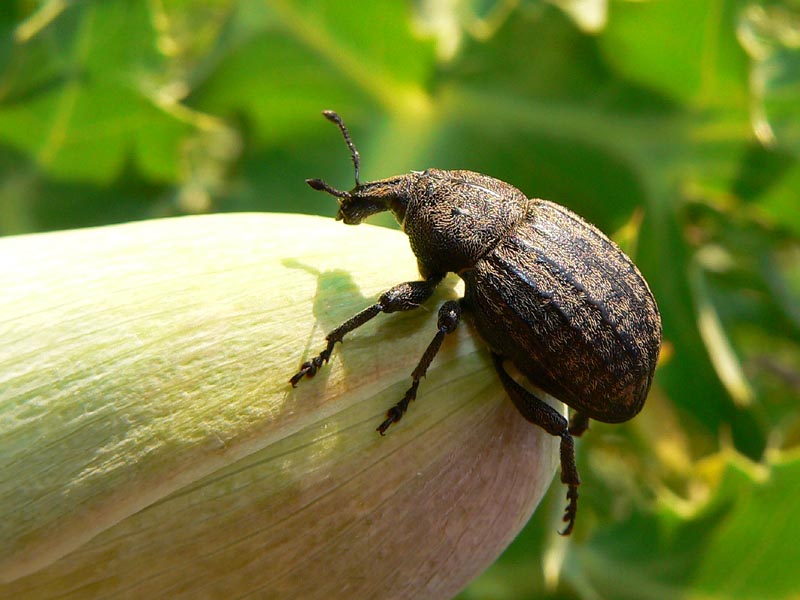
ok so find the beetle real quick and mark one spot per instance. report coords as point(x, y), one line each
point(546, 291)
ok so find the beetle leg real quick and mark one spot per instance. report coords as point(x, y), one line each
point(404, 296)
point(449, 316)
point(578, 424)
point(545, 416)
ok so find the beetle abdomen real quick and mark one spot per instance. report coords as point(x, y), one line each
point(571, 311)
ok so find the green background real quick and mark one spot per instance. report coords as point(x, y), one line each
point(674, 125)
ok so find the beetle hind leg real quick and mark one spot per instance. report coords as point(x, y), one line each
point(545, 416)
point(449, 316)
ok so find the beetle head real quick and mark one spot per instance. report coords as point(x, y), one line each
point(364, 199)
point(367, 198)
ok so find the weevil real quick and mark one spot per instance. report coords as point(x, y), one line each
point(546, 291)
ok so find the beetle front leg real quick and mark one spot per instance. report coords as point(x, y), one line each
point(449, 316)
point(545, 416)
point(404, 296)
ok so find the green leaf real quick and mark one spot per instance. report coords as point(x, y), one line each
point(686, 49)
point(82, 94)
point(659, 556)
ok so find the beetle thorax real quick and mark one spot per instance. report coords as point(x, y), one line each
point(453, 218)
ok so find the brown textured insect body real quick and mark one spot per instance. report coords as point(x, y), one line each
point(547, 291)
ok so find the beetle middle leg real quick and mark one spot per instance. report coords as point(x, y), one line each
point(404, 296)
point(578, 424)
point(449, 316)
point(548, 418)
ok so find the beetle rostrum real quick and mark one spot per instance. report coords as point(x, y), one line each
point(546, 290)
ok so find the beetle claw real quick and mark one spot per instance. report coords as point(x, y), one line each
point(307, 369)
point(393, 415)
point(571, 510)
point(310, 367)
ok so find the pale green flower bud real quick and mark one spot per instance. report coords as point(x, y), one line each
point(151, 445)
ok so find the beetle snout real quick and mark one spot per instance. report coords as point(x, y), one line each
point(355, 209)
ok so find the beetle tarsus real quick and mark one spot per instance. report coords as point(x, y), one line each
point(571, 510)
point(310, 367)
point(394, 414)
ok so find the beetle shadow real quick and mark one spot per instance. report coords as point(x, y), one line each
point(338, 298)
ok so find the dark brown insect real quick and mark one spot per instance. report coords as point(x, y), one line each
point(547, 291)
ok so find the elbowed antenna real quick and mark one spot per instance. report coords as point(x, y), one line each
point(320, 185)
point(333, 117)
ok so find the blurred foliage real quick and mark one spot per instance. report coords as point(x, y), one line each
point(672, 124)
